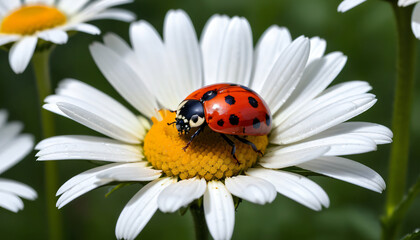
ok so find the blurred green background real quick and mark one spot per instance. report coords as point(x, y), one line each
point(365, 34)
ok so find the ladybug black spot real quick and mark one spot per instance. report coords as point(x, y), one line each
point(256, 123)
point(230, 100)
point(233, 119)
point(209, 95)
point(220, 122)
point(253, 102)
point(267, 120)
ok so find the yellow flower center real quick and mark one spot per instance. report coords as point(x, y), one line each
point(208, 156)
point(29, 19)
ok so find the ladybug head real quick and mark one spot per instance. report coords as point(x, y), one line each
point(190, 114)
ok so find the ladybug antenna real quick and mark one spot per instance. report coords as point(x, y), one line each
point(172, 123)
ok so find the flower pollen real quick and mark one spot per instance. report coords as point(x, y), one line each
point(208, 156)
point(27, 20)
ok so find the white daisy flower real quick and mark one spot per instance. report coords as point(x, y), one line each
point(415, 17)
point(309, 129)
point(22, 24)
point(13, 148)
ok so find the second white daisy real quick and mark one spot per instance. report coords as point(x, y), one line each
point(24, 23)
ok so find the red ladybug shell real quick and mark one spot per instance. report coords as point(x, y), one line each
point(235, 110)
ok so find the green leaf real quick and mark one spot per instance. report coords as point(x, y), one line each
point(402, 208)
point(412, 236)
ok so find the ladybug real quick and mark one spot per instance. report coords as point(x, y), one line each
point(229, 109)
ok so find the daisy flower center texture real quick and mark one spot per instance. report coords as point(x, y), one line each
point(208, 156)
point(27, 20)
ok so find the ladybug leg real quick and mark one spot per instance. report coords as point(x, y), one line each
point(243, 140)
point(232, 144)
point(193, 136)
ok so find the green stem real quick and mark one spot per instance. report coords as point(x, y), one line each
point(41, 65)
point(200, 226)
point(401, 118)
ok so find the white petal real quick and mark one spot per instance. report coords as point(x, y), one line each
point(415, 21)
point(47, 2)
point(348, 4)
point(252, 189)
point(211, 46)
point(3, 118)
point(71, 6)
point(17, 188)
point(94, 119)
point(96, 7)
point(152, 65)
point(100, 103)
point(286, 157)
point(87, 148)
point(219, 210)
point(183, 51)
point(318, 46)
point(83, 27)
point(10, 202)
point(5, 39)
point(235, 59)
point(348, 171)
point(140, 209)
point(378, 133)
point(115, 14)
point(15, 151)
point(273, 41)
point(294, 186)
point(285, 73)
point(57, 36)
point(83, 183)
point(21, 53)
point(316, 77)
point(8, 132)
point(130, 172)
point(10, 5)
point(304, 126)
point(181, 194)
point(341, 144)
point(124, 79)
point(405, 3)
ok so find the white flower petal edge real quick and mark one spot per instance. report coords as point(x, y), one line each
point(294, 186)
point(13, 148)
point(21, 53)
point(346, 170)
point(87, 148)
point(99, 176)
point(219, 210)
point(349, 4)
point(415, 21)
point(10, 202)
point(285, 73)
point(252, 189)
point(138, 211)
point(181, 194)
point(183, 51)
point(17, 188)
point(405, 3)
point(415, 18)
